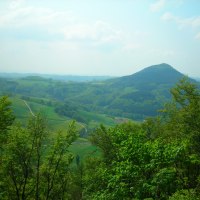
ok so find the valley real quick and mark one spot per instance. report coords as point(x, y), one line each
point(133, 97)
point(100, 134)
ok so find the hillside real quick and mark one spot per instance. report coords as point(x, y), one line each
point(156, 74)
point(135, 96)
point(143, 93)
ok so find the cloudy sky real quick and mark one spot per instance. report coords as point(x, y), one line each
point(99, 37)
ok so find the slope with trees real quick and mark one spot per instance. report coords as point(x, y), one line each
point(156, 159)
point(33, 163)
point(135, 97)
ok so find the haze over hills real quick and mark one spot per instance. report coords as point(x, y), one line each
point(196, 78)
point(136, 96)
point(75, 78)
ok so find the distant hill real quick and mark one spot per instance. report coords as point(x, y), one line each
point(74, 78)
point(141, 94)
point(156, 74)
point(135, 96)
point(196, 78)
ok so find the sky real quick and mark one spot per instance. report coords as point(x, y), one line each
point(99, 37)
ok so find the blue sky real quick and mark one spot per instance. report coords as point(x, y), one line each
point(99, 37)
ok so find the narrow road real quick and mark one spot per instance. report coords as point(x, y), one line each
point(84, 126)
point(29, 108)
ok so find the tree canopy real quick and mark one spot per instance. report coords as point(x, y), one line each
point(155, 159)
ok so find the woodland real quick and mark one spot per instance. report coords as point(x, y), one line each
point(157, 158)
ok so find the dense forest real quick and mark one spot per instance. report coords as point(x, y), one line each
point(158, 158)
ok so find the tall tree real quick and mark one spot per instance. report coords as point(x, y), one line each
point(35, 164)
point(6, 118)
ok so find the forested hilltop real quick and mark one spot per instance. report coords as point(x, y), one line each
point(158, 158)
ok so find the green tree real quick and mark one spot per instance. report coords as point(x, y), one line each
point(6, 118)
point(35, 164)
point(156, 159)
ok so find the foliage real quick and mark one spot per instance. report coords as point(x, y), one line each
point(34, 164)
point(157, 159)
point(6, 117)
point(185, 195)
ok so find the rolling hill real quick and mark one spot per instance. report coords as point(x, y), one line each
point(156, 74)
point(135, 96)
point(143, 93)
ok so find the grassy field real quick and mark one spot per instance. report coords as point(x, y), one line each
point(55, 121)
point(99, 118)
point(22, 113)
point(83, 148)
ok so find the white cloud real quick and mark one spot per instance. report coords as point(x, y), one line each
point(168, 16)
point(193, 22)
point(26, 16)
point(44, 24)
point(197, 36)
point(15, 4)
point(99, 31)
point(157, 6)
point(56, 22)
